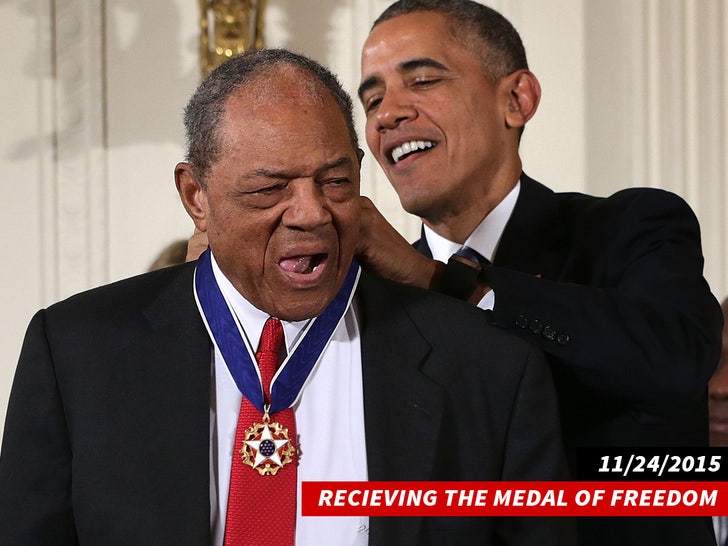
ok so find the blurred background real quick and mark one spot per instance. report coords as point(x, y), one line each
point(634, 94)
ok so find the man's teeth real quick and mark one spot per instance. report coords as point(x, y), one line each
point(408, 147)
point(301, 264)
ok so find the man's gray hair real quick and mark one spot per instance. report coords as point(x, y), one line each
point(205, 111)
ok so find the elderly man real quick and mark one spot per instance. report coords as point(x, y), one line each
point(610, 288)
point(141, 414)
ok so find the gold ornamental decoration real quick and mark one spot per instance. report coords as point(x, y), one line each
point(229, 27)
point(267, 447)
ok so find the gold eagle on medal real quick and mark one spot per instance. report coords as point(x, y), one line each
point(267, 448)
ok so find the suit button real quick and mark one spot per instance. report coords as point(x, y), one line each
point(535, 326)
point(563, 339)
point(549, 333)
point(521, 321)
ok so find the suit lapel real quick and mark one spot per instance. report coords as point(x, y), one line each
point(534, 237)
point(402, 406)
point(183, 359)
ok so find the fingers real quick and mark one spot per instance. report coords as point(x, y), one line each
point(196, 245)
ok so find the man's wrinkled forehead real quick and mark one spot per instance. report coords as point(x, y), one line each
point(405, 44)
point(283, 83)
point(423, 37)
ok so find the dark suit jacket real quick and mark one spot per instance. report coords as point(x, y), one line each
point(611, 289)
point(107, 432)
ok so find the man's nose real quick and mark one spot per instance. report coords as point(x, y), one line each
point(308, 207)
point(394, 109)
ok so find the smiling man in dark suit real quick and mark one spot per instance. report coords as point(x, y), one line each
point(611, 289)
point(128, 399)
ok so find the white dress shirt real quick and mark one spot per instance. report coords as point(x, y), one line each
point(484, 239)
point(329, 422)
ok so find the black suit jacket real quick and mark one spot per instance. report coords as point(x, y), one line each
point(107, 432)
point(612, 290)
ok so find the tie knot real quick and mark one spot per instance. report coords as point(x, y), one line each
point(472, 255)
point(267, 356)
point(272, 337)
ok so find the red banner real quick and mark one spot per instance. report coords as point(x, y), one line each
point(514, 498)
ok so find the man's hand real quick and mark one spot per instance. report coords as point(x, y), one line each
point(196, 245)
point(384, 252)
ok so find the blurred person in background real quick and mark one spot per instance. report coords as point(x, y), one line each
point(173, 254)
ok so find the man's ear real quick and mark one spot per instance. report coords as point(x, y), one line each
point(524, 94)
point(192, 194)
point(360, 155)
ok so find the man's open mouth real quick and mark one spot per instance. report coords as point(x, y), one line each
point(303, 265)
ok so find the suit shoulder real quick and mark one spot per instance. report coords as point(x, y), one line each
point(648, 197)
point(124, 295)
point(628, 199)
point(628, 209)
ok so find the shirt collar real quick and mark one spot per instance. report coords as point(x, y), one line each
point(485, 237)
point(251, 318)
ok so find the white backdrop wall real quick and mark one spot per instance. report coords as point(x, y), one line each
point(634, 93)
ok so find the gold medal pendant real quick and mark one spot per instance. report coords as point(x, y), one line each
point(266, 447)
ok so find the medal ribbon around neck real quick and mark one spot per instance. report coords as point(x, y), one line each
point(238, 354)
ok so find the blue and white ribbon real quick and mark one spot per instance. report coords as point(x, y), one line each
point(239, 356)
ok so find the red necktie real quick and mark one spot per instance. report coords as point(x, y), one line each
point(262, 508)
